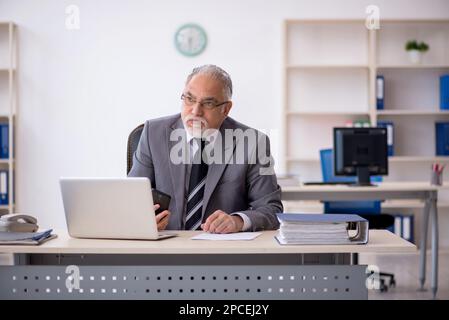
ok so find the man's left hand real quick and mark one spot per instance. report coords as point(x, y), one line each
point(221, 222)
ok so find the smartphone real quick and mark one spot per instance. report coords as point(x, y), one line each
point(162, 199)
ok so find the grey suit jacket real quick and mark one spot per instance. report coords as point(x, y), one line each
point(230, 186)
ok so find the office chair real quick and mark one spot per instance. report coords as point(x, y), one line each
point(133, 141)
point(370, 210)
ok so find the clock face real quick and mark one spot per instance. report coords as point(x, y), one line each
point(190, 40)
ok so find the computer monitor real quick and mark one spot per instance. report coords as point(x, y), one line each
point(360, 152)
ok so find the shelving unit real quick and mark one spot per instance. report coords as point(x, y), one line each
point(330, 80)
point(8, 100)
point(330, 69)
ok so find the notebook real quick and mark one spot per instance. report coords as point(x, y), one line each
point(26, 238)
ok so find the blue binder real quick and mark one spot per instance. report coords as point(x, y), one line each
point(442, 138)
point(404, 227)
point(4, 141)
point(444, 92)
point(407, 228)
point(380, 92)
point(4, 187)
point(390, 135)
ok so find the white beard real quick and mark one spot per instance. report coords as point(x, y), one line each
point(195, 130)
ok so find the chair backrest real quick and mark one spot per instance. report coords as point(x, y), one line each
point(327, 170)
point(133, 141)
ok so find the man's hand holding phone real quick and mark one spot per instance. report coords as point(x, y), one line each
point(161, 202)
point(161, 218)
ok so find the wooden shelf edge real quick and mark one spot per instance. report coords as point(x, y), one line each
point(329, 66)
point(413, 66)
point(324, 21)
point(396, 204)
point(391, 159)
point(411, 113)
point(418, 159)
point(329, 113)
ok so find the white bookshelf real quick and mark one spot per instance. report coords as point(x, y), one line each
point(330, 69)
point(8, 99)
point(330, 80)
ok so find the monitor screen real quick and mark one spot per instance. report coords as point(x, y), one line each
point(360, 150)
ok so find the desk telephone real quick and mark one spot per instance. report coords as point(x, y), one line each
point(18, 223)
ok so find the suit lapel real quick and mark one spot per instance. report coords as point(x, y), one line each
point(215, 170)
point(177, 171)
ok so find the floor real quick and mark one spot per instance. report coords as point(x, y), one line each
point(406, 270)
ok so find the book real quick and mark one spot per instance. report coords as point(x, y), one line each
point(444, 92)
point(380, 92)
point(408, 228)
point(4, 141)
point(442, 138)
point(390, 135)
point(298, 228)
point(404, 227)
point(4, 196)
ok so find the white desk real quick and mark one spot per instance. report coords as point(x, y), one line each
point(384, 191)
point(182, 268)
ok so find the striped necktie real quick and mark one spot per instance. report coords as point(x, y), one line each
point(196, 189)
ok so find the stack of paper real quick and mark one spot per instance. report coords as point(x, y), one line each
point(313, 233)
point(320, 229)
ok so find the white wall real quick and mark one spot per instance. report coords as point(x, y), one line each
point(81, 92)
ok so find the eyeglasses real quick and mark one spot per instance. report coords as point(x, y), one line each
point(207, 104)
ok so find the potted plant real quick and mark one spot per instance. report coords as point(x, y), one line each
point(415, 50)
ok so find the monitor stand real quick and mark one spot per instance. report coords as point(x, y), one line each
point(363, 178)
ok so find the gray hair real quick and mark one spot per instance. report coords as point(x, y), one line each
point(216, 73)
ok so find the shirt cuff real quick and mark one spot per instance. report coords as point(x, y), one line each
point(246, 220)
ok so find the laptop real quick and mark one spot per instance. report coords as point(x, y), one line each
point(110, 208)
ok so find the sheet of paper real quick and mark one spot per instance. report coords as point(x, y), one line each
point(227, 236)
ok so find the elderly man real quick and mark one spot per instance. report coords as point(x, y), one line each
point(230, 188)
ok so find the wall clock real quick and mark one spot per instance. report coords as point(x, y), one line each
point(190, 39)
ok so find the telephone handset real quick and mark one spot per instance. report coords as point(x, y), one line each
point(18, 223)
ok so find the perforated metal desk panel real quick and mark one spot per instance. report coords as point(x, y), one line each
point(181, 268)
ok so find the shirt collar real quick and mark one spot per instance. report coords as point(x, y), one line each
point(210, 137)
